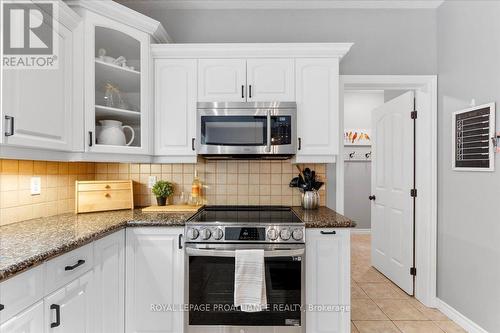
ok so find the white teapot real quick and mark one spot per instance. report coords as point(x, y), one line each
point(112, 133)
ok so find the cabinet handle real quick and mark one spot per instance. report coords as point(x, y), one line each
point(242, 91)
point(372, 197)
point(180, 241)
point(2, 307)
point(192, 144)
point(250, 91)
point(78, 264)
point(90, 139)
point(300, 144)
point(58, 315)
point(10, 119)
point(328, 232)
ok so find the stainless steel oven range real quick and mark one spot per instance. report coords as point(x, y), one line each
point(212, 236)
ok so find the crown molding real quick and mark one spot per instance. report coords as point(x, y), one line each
point(284, 4)
point(251, 50)
point(125, 15)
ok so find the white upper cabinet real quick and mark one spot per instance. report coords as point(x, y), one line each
point(175, 107)
point(221, 80)
point(37, 110)
point(328, 280)
point(270, 80)
point(317, 89)
point(117, 93)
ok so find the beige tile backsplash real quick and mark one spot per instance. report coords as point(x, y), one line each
point(224, 183)
point(57, 191)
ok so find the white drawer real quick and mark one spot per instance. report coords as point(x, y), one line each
point(20, 292)
point(69, 266)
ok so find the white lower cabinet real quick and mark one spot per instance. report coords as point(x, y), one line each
point(69, 309)
point(154, 280)
point(328, 280)
point(109, 283)
point(27, 321)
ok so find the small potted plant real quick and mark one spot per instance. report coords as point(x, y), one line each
point(162, 190)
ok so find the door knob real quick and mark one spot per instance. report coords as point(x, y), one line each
point(371, 197)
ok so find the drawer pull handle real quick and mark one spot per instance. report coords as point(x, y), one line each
point(58, 315)
point(328, 232)
point(180, 241)
point(2, 307)
point(107, 195)
point(107, 186)
point(78, 264)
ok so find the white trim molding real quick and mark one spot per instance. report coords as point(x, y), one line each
point(251, 50)
point(459, 318)
point(361, 231)
point(425, 87)
point(286, 4)
point(124, 15)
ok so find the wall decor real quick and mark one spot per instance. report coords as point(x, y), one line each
point(473, 136)
point(357, 137)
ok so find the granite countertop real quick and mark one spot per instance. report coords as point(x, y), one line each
point(27, 244)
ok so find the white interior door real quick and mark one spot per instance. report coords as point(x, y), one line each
point(392, 180)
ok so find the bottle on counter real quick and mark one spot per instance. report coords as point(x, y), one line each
point(196, 198)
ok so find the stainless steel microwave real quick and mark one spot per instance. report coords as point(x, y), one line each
point(246, 130)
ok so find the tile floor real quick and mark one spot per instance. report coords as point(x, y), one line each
point(379, 306)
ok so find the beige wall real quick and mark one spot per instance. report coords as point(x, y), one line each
point(224, 182)
point(57, 194)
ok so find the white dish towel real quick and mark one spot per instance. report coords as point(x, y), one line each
point(250, 280)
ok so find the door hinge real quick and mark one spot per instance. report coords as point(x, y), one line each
point(413, 193)
point(413, 271)
point(413, 114)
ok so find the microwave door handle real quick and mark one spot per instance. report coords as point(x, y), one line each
point(225, 253)
point(268, 144)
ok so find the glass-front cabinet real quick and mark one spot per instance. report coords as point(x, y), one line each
point(117, 111)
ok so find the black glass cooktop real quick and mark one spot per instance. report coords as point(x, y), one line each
point(246, 214)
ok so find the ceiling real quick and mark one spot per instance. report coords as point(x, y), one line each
point(281, 4)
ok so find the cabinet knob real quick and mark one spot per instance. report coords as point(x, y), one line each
point(372, 197)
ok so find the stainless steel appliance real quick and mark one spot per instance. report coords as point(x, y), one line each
point(247, 130)
point(212, 236)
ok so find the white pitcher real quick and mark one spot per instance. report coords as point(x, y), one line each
point(112, 133)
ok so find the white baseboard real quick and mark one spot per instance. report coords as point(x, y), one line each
point(459, 318)
point(361, 231)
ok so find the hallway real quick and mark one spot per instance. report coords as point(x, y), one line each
point(379, 306)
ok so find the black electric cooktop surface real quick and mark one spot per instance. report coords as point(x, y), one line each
point(246, 214)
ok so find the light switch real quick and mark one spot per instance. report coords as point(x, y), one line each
point(36, 185)
point(152, 181)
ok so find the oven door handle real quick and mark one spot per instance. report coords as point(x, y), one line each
point(225, 253)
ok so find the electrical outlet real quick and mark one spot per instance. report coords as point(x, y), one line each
point(151, 181)
point(36, 185)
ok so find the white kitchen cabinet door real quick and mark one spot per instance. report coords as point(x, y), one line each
point(27, 321)
point(109, 283)
point(328, 280)
point(221, 80)
point(270, 80)
point(175, 107)
point(317, 89)
point(69, 309)
point(37, 103)
point(154, 280)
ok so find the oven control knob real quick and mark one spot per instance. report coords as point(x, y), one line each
point(285, 234)
point(205, 233)
point(272, 234)
point(192, 233)
point(297, 234)
point(217, 233)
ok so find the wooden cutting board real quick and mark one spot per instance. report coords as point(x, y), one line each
point(171, 208)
